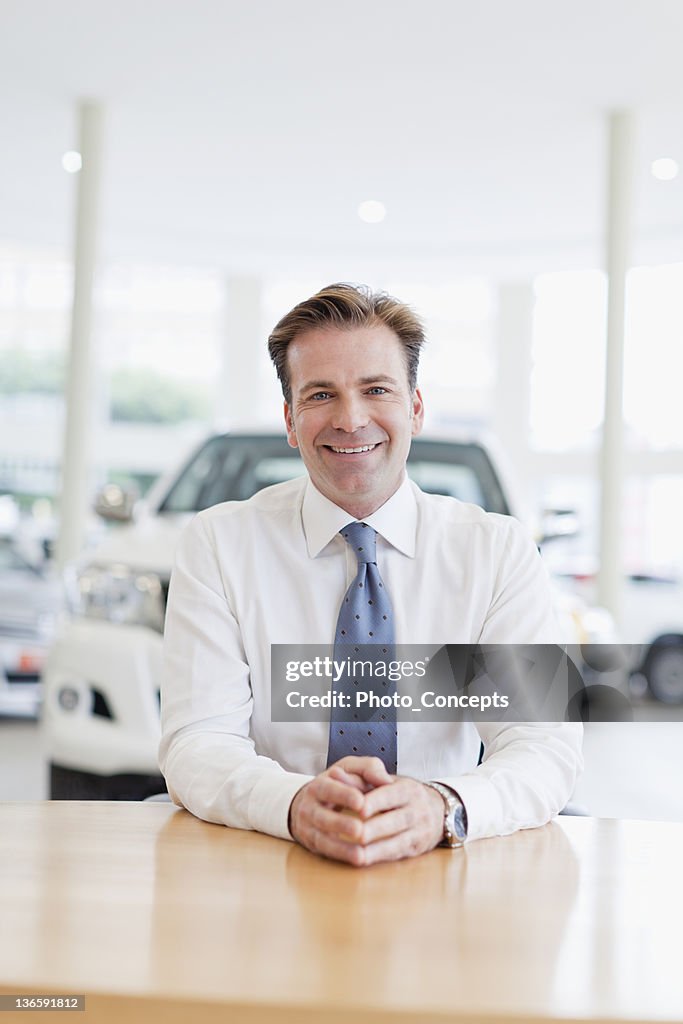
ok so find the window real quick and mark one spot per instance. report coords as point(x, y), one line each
point(568, 376)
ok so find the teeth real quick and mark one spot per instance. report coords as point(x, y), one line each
point(352, 451)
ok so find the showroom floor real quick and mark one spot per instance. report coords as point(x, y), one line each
point(633, 770)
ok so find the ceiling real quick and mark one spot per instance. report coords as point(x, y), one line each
point(243, 136)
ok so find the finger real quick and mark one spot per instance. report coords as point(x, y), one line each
point(387, 824)
point(351, 779)
point(336, 849)
point(394, 848)
point(335, 824)
point(330, 833)
point(410, 843)
point(372, 769)
point(321, 806)
point(385, 798)
point(376, 773)
point(329, 790)
point(348, 778)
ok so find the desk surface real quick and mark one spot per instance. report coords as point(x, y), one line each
point(154, 914)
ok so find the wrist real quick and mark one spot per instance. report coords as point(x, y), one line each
point(292, 813)
point(454, 820)
point(436, 804)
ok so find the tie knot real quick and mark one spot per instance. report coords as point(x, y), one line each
point(362, 540)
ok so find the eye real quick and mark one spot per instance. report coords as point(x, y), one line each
point(377, 390)
point(320, 396)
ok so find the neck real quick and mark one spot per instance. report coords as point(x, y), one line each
point(361, 508)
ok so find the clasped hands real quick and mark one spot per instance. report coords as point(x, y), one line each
point(357, 812)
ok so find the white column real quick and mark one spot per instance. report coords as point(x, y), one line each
point(237, 405)
point(619, 211)
point(512, 394)
point(75, 460)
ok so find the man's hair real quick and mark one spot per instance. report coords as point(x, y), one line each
point(346, 306)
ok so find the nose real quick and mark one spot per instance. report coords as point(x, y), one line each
point(350, 414)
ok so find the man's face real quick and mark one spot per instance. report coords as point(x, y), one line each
point(350, 391)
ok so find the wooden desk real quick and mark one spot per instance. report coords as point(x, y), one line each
point(155, 915)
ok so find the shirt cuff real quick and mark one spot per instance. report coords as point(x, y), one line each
point(270, 801)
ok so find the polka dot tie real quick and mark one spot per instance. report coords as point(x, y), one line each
point(365, 617)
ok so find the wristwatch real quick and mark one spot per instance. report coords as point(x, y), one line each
point(454, 817)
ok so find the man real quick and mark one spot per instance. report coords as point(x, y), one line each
point(277, 569)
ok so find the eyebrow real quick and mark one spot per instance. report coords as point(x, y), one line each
point(374, 379)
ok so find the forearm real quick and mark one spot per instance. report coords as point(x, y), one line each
point(206, 752)
point(220, 778)
point(528, 775)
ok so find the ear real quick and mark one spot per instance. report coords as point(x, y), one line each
point(417, 412)
point(291, 429)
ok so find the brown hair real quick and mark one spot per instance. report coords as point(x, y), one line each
point(347, 306)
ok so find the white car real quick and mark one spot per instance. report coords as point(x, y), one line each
point(102, 679)
point(652, 623)
point(30, 606)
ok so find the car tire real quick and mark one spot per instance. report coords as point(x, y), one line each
point(663, 668)
point(70, 784)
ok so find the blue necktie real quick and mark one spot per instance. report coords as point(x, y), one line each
point(365, 617)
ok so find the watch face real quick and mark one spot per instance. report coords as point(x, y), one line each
point(458, 821)
point(455, 818)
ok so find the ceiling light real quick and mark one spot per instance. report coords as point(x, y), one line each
point(665, 168)
point(71, 162)
point(372, 211)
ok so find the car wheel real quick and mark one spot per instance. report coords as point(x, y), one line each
point(70, 784)
point(663, 669)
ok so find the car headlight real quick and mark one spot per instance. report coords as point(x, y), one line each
point(118, 593)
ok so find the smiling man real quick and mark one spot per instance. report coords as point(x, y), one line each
point(351, 412)
point(354, 553)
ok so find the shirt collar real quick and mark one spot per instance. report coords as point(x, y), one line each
point(395, 521)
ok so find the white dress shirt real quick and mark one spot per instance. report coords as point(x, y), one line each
point(274, 570)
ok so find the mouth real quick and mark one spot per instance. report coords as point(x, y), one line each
point(361, 449)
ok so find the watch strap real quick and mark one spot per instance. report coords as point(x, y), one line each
point(455, 816)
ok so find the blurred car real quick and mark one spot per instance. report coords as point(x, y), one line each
point(651, 627)
point(30, 604)
point(101, 714)
point(661, 669)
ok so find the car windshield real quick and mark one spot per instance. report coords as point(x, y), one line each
point(229, 468)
